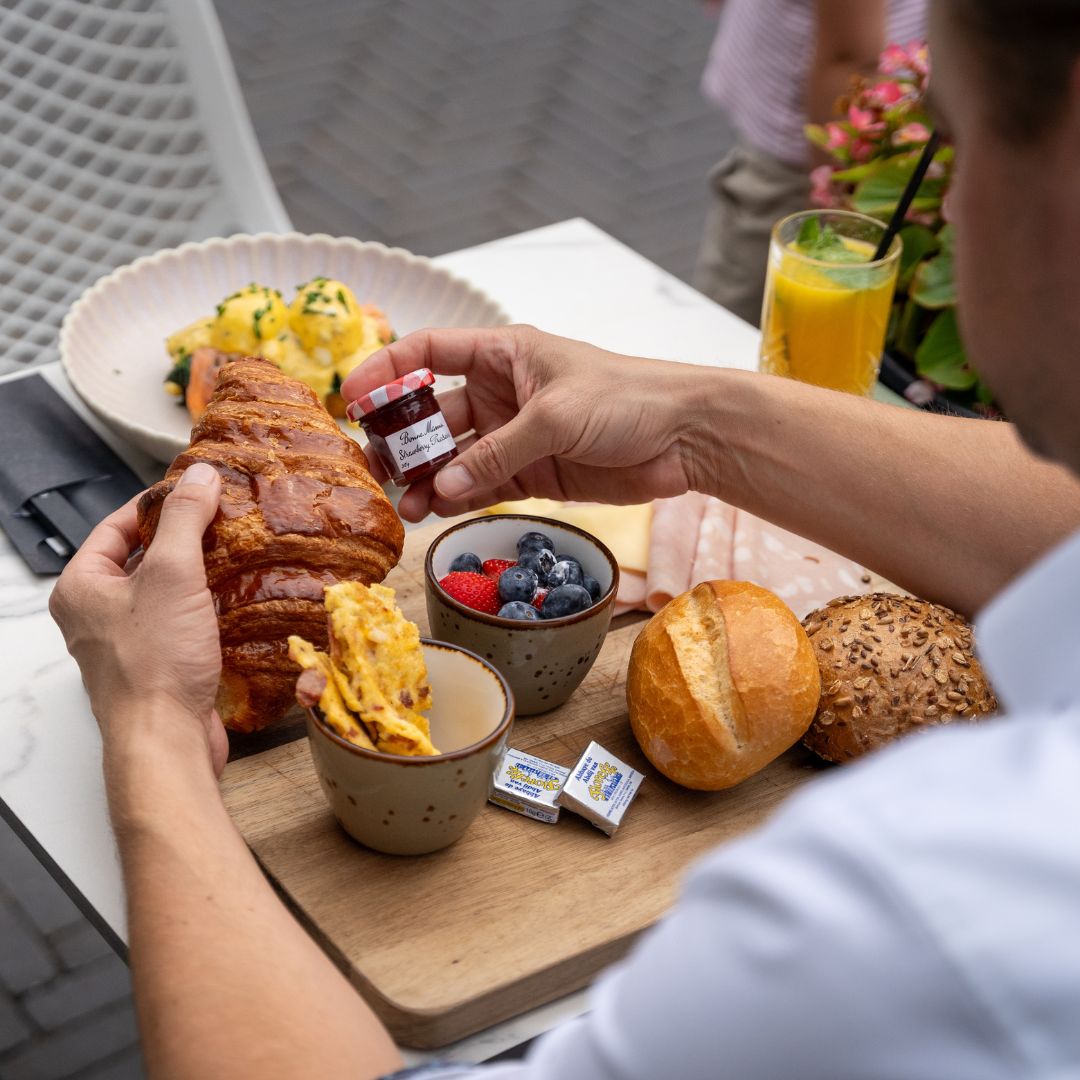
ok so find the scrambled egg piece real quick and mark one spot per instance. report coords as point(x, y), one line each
point(375, 674)
point(334, 709)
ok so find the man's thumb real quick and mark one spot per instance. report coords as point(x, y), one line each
point(186, 512)
point(494, 459)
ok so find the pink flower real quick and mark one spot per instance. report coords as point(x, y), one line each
point(838, 138)
point(861, 118)
point(865, 122)
point(822, 192)
point(862, 150)
point(935, 171)
point(946, 207)
point(911, 133)
point(886, 94)
point(894, 59)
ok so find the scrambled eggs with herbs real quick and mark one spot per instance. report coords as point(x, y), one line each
point(372, 689)
point(318, 338)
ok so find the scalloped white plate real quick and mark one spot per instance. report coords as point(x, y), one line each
point(112, 341)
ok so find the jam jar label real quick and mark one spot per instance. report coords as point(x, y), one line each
point(421, 442)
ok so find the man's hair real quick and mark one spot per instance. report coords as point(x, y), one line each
point(1027, 49)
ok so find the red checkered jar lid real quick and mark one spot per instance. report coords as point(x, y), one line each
point(391, 392)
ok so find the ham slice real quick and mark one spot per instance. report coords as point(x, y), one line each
point(631, 594)
point(673, 542)
point(696, 538)
point(309, 687)
point(803, 574)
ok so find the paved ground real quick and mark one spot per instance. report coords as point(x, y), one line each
point(437, 126)
point(432, 126)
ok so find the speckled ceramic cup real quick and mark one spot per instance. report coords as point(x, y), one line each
point(413, 805)
point(545, 661)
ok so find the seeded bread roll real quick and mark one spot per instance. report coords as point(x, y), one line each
point(889, 665)
point(721, 681)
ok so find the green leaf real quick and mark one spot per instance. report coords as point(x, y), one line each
point(825, 244)
point(907, 335)
point(941, 357)
point(919, 242)
point(945, 238)
point(934, 283)
point(879, 194)
point(809, 232)
point(983, 393)
point(858, 173)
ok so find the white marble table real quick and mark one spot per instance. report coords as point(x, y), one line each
point(571, 279)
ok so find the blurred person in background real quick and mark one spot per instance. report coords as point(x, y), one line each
point(776, 66)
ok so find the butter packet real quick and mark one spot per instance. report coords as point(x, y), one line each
point(528, 785)
point(600, 788)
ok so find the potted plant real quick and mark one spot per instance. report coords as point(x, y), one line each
point(875, 144)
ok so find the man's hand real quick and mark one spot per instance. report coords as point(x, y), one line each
point(146, 639)
point(545, 416)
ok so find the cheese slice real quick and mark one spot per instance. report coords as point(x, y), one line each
point(624, 529)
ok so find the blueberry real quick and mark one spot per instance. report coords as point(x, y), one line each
point(534, 541)
point(540, 561)
point(565, 600)
point(467, 563)
point(516, 609)
point(517, 583)
point(593, 586)
point(566, 572)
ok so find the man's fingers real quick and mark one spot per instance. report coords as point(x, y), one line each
point(186, 512)
point(493, 461)
point(446, 352)
point(111, 542)
point(457, 411)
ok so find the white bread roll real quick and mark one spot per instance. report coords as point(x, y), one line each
point(722, 680)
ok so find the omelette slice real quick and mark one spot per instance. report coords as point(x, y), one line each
point(330, 700)
point(376, 679)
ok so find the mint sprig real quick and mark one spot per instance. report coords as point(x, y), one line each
point(824, 243)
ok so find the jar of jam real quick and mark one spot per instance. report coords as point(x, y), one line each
point(405, 427)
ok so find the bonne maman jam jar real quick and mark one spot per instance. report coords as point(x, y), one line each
point(405, 427)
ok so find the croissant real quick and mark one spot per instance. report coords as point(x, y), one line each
point(299, 511)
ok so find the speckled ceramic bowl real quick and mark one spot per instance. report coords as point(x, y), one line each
point(413, 805)
point(544, 662)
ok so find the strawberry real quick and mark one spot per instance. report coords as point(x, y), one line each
point(538, 599)
point(494, 567)
point(473, 590)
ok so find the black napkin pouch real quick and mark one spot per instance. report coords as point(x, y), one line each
point(57, 478)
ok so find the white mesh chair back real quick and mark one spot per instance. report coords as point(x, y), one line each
point(122, 131)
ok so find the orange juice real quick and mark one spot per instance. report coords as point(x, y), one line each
point(824, 319)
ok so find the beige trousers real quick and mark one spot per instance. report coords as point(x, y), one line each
point(751, 191)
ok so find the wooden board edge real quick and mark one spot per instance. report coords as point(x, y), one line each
point(422, 1030)
point(419, 1029)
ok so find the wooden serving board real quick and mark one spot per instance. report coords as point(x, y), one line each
point(516, 913)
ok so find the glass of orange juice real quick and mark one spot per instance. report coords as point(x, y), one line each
point(827, 300)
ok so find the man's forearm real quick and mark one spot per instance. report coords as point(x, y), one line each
point(950, 509)
point(226, 982)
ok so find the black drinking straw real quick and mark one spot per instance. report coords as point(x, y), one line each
point(904, 204)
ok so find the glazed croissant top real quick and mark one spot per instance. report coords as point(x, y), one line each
point(299, 511)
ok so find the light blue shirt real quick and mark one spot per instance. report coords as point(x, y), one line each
point(912, 917)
